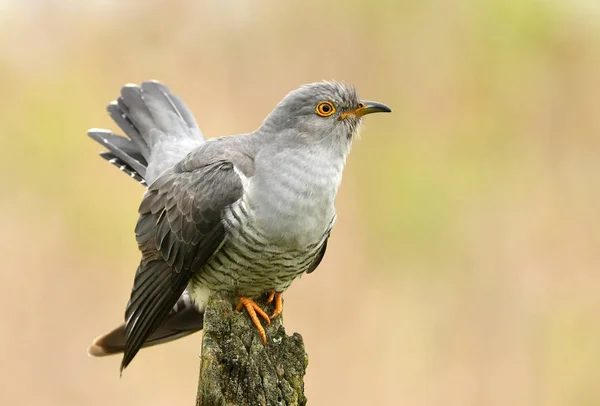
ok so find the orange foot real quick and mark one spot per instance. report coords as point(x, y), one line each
point(278, 303)
point(252, 308)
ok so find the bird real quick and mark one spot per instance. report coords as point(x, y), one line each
point(242, 214)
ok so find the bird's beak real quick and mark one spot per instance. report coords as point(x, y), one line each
point(368, 107)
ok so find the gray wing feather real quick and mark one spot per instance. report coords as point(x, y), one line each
point(318, 258)
point(182, 320)
point(178, 230)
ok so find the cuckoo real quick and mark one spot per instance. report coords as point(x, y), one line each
point(243, 214)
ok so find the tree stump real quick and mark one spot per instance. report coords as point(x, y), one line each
point(238, 369)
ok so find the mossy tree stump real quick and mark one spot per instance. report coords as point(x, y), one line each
point(238, 369)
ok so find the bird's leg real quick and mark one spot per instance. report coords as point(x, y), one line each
point(252, 308)
point(278, 303)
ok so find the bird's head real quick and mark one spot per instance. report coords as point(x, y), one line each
point(323, 112)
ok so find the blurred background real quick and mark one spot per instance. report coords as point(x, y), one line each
point(464, 267)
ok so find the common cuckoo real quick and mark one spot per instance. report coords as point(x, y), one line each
point(245, 214)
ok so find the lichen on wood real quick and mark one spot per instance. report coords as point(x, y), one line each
point(238, 369)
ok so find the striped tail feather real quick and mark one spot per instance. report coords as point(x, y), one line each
point(159, 128)
point(124, 167)
point(122, 153)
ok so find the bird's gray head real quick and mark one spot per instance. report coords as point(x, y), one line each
point(322, 112)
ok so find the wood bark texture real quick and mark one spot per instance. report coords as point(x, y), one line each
point(238, 369)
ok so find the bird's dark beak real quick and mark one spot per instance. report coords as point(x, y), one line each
point(368, 107)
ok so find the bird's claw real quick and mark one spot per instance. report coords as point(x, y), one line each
point(254, 311)
point(278, 303)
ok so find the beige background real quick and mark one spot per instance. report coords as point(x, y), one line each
point(464, 269)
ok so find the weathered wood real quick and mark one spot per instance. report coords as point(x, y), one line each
point(238, 369)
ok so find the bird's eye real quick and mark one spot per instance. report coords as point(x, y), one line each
point(325, 109)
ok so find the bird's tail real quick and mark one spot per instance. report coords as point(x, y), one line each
point(160, 131)
point(183, 320)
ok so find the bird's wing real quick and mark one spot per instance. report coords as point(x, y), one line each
point(178, 230)
point(319, 257)
point(183, 319)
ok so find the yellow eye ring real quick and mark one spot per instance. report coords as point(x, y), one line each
point(325, 109)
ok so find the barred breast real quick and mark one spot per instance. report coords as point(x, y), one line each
point(250, 263)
